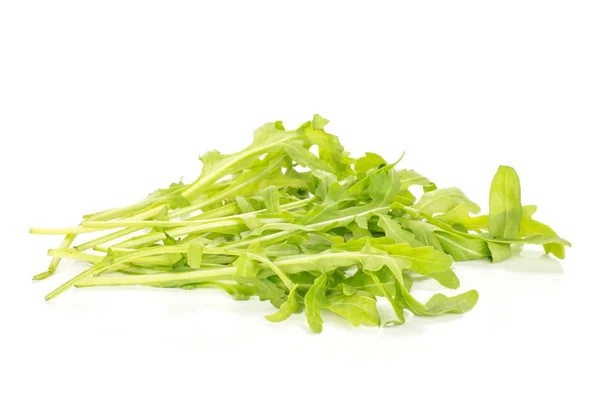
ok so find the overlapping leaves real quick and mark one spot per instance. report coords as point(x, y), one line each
point(294, 220)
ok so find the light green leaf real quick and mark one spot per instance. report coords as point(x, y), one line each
point(323, 181)
point(423, 232)
point(246, 266)
point(383, 186)
point(460, 215)
point(461, 248)
point(536, 239)
point(271, 198)
point(362, 280)
point(446, 278)
point(444, 200)
point(305, 158)
point(194, 255)
point(244, 205)
point(359, 308)
point(368, 162)
point(409, 177)
point(330, 150)
point(439, 303)
point(404, 197)
point(424, 260)
point(347, 289)
point(314, 300)
point(505, 204)
point(389, 295)
point(395, 231)
point(287, 309)
point(499, 251)
point(266, 290)
point(530, 227)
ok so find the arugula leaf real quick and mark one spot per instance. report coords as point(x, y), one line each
point(444, 200)
point(459, 216)
point(363, 280)
point(271, 199)
point(358, 308)
point(461, 248)
point(369, 162)
point(530, 227)
point(505, 204)
point(331, 150)
point(447, 279)
point(409, 177)
point(287, 308)
point(424, 233)
point(499, 251)
point(395, 231)
point(439, 304)
point(389, 295)
point(314, 300)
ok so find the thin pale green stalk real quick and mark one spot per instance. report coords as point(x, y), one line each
point(110, 264)
point(232, 221)
point(73, 230)
point(290, 229)
point(75, 255)
point(153, 212)
point(201, 275)
point(66, 243)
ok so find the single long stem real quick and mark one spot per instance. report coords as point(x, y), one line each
point(75, 255)
point(201, 275)
point(120, 212)
point(74, 230)
point(161, 260)
point(171, 224)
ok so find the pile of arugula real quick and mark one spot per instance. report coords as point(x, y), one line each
point(295, 220)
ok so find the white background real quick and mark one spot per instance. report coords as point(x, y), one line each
point(102, 102)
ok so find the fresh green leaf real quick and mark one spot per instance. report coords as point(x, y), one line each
point(314, 300)
point(499, 251)
point(395, 231)
point(368, 162)
point(287, 309)
point(358, 308)
point(409, 177)
point(530, 227)
point(444, 200)
point(461, 248)
point(505, 204)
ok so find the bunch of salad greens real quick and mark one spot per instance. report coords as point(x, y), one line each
point(294, 220)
